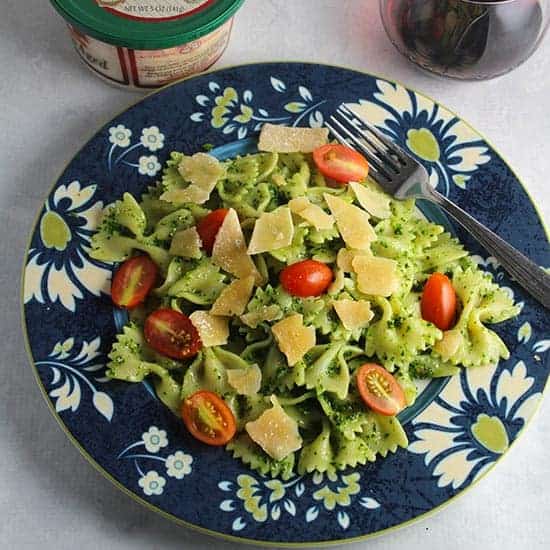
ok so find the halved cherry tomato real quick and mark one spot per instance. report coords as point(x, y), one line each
point(306, 278)
point(341, 163)
point(380, 390)
point(209, 226)
point(172, 333)
point(133, 280)
point(438, 302)
point(208, 418)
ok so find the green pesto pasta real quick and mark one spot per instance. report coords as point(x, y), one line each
point(318, 392)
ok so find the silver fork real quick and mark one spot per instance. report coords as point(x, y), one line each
point(400, 175)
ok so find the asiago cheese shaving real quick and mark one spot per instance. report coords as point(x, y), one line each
point(229, 250)
point(245, 381)
point(376, 276)
point(233, 298)
point(186, 243)
point(275, 432)
point(213, 330)
point(353, 314)
point(345, 257)
point(353, 223)
point(285, 139)
point(202, 171)
point(375, 203)
point(312, 213)
point(293, 338)
point(272, 230)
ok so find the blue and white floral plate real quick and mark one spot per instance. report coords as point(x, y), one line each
point(457, 434)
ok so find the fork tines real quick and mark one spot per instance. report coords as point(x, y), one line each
point(385, 158)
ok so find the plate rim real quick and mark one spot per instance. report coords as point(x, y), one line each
point(167, 515)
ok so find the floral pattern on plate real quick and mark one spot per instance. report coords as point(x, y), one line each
point(70, 323)
point(176, 465)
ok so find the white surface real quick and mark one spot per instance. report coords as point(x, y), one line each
point(50, 497)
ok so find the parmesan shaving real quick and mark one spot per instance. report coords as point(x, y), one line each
point(376, 276)
point(353, 223)
point(293, 338)
point(312, 213)
point(229, 250)
point(338, 284)
point(345, 257)
point(375, 203)
point(186, 243)
point(202, 171)
point(214, 331)
point(272, 230)
point(353, 314)
point(191, 193)
point(233, 298)
point(275, 432)
point(284, 139)
point(245, 381)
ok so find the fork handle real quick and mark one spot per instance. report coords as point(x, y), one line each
point(526, 273)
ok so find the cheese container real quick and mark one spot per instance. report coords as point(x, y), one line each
point(145, 44)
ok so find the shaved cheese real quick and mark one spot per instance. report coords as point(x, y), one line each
point(229, 250)
point(263, 313)
point(275, 432)
point(272, 230)
point(202, 171)
point(449, 344)
point(186, 243)
point(293, 338)
point(345, 256)
point(245, 381)
point(214, 331)
point(376, 276)
point(353, 223)
point(353, 314)
point(375, 203)
point(338, 284)
point(284, 139)
point(312, 213)
point(233, 299)
point(191, 193)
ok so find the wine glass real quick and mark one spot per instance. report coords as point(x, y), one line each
point(466, 39)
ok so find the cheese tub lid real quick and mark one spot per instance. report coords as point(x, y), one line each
point(146, 24)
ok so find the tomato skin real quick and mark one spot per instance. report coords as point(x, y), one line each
point(132, 281)
point(209, 226)
point(172, 333)
point(306, 278)
point(372, 377)
point(208, 418)
point(341, 163)
point(438, 304)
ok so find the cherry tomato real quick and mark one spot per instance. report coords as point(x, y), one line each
point(438, 302)
point(341, 163)
point(306, 278)
point(380, 390)
point(133, 280)
point(172, 333)
point(209, 226)
point(208, 418)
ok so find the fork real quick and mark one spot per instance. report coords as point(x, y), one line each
point(402, 176)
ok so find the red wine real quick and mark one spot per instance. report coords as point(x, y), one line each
point(465, 39)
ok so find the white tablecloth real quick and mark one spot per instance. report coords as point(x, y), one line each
point(49, 496)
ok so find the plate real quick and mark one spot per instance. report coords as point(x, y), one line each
point(461, 426)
